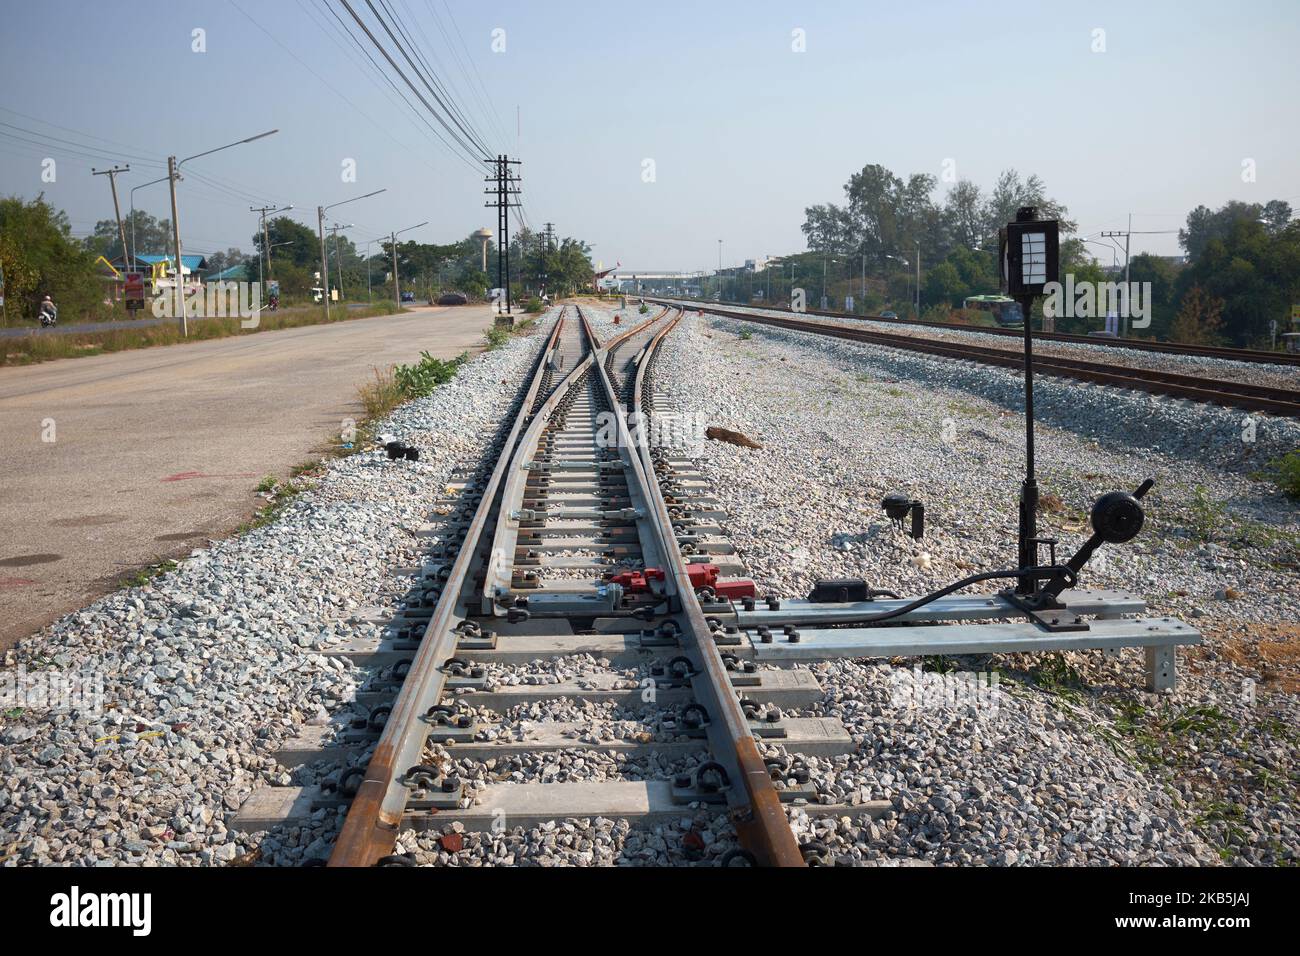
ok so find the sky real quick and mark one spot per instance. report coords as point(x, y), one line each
point(653, 130)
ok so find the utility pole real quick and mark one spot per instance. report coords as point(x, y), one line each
point(338, 255)
point(172, 176)
point(505, 187)
point(320, 231)
point(368, 245)
point(397, 292)
point(266, 241)
point(548, 245)
point(117, 210)
point(1128, 236)
point(397, 295)
point(324, 260)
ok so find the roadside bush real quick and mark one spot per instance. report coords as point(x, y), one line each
point(420, 379)
point(380, 396)
point(40, 257)
point(1287, 473)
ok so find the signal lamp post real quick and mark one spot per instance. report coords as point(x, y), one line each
point(1030, 260)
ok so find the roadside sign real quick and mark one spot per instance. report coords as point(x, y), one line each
point(848, 303)
point(133, 291)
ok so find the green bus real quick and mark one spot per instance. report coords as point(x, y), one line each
point(1005, 310)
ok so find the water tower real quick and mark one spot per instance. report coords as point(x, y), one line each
point(483, 235)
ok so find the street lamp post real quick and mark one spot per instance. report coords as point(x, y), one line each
point(368, 270)
point(719, 270)
point(338, 255)
point(397, 294)
point(277, 245)
point(320, 231)
point(135, 251)
point(918, 280)
point(266, 241)
point(174, 174)
point(906, 264)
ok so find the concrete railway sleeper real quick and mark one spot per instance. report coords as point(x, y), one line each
point(578, 538)
point(565, 504)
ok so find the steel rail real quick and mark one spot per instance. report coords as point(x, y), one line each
point(1230, 353)
point(374, 818)
point(1275, 401)
point(497, 580)
point(754, 805)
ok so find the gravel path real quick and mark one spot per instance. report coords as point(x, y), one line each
point(1277, 376)
point(1077, 764)
point(206, 670)
point(209, 668)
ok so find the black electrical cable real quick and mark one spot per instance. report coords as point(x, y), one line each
point(966, 582)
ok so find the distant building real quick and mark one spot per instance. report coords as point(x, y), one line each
point(1118, 270)
point(239, 272)
point(159, 271)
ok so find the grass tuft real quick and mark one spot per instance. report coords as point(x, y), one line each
point(142, 577)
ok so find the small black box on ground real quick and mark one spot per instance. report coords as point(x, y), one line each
point(839, 591)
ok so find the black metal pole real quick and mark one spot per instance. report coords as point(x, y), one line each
point(1027, 556)
point(501, 263)
point(505, 214)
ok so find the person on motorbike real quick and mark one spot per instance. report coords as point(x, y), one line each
point(49, 312)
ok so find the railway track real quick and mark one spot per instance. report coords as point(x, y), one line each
point(581, 607)
point(1259, 398)
point(575, 536)
point(1257, 356)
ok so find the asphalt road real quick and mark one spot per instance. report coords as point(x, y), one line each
point(156, 450)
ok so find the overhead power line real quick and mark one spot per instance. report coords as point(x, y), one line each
point(441, 115)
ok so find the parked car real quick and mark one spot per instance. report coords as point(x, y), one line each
point(453, 298)
point(889, 315)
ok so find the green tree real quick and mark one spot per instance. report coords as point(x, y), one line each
point(1252, 266)
point(1199, 319)
point(1163, 276)
point(291, 242)
point(944, 284)
point(45, 259)
point(1204, 226)
point(886, 216)
point(150, 236)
